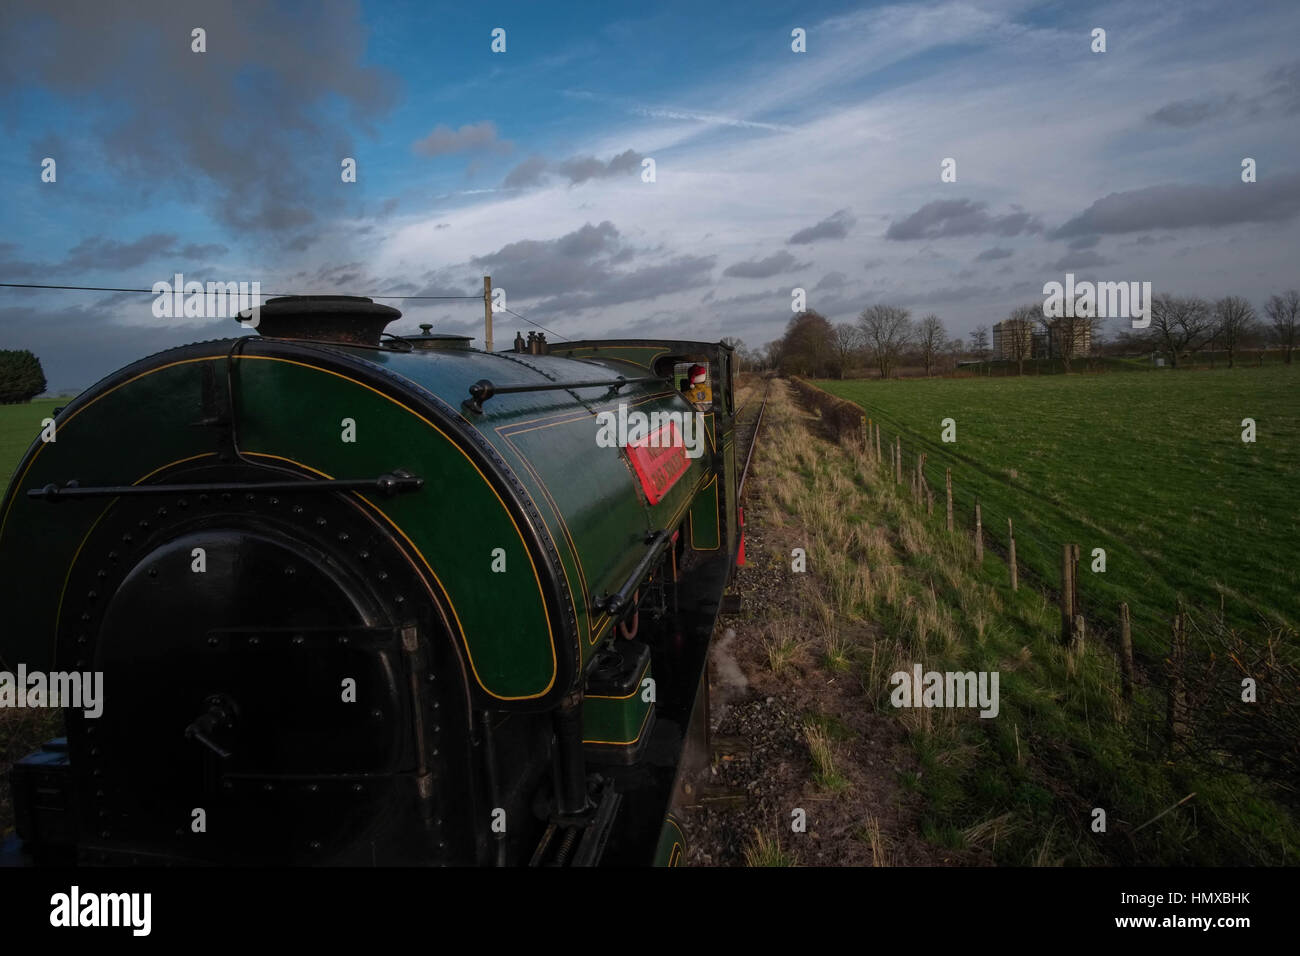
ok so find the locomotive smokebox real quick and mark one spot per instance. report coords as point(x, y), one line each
point(350, 319)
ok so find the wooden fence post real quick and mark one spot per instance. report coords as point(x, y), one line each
point(924, 496)
point(948, 482)
point(1177, 693)
point(979, 534)
point(879, 460)
point(1077, 636)
point(1126, 651)
point(1067, 592)
point(1011, 556)
point(1075, 607)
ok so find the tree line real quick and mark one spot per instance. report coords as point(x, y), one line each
point(1185, 325)
point(887, 337)
point(883, 337)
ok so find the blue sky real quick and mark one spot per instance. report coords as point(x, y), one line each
point(774, 169)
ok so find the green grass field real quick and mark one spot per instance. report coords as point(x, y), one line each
point(890, 589)
point(1151, 468)
point(19, 427)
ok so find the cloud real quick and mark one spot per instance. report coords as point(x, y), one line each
point(1285, 88)
point(944, 218)
point(1180, 206)
point(1184, 113)
point(527, 173)
point(959, 294)
point(100, 253)
point(832, 280)
point(200, 250)
point(230, 126)
point(1280, 95)
point(588, 267)
point(534, 268)
point(835, 226)
point(990, 255)
point(1072, 261)
point(579, 169)
point(774, 264)
point(711, 119)
point(649, 282)
point(444, 140)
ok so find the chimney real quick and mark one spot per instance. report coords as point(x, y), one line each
point(343, 319)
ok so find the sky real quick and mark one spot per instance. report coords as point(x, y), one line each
point(773, 170)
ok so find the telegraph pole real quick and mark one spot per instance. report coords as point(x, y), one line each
point(487, 313)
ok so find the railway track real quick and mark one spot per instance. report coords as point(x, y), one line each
point(754, 426)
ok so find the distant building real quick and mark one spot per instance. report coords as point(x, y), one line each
point(1037, 341)
point(1007, 334)
point(1059, 330)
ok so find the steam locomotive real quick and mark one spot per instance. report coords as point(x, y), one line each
point(364, 599)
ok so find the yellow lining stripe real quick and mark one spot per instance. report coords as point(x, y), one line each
point(626, 743)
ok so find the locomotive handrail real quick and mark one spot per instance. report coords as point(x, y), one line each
point(617, 603)
point(389, 484)
point(483, 389)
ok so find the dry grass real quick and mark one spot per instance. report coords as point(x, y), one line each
point(784, 649)
point(823, 758)
point(871, 835)
point(766, 851)
point(984, 835)
point(837, 652)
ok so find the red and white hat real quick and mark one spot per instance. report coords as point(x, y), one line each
point(697, 375)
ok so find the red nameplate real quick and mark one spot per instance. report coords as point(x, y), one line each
point(659, 467)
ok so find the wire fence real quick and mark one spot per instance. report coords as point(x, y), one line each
point(1179, 646)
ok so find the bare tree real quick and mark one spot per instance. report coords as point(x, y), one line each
point(1283, 313)
point(979, 342)
point(846, 343)
point(1018, 333)
point(738, 348)
point(886, 329)
point(1179, 324)
point(1233, 318)
point(954, 348)
point(930, 338)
